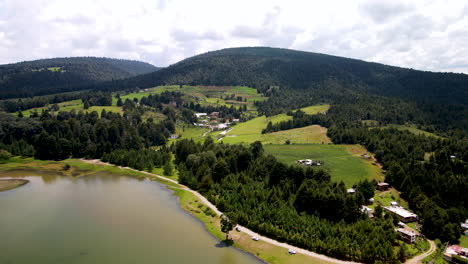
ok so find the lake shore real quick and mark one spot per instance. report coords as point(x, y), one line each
point(10, 184)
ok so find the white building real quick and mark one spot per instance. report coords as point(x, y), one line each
point(404, 215)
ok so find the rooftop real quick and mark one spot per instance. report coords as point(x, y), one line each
point(400, 211)
point(406, 232)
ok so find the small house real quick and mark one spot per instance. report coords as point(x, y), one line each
point(368, 211)
point(383, 186)
point(351, 191)
point(174, 136)
point(464, 226)
point(408, 236)
point(393, 203)
point(198, 115)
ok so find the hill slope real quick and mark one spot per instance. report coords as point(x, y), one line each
point(49, 76)
point(262, 67)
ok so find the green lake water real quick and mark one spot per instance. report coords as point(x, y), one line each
point(102, 219)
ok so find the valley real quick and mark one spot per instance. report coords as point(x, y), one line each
point(327, 166)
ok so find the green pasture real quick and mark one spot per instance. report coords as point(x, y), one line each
point(343, 161)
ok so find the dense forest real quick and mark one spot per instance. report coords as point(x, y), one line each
point(264, 68)
point(50, 76)
point(70, 134)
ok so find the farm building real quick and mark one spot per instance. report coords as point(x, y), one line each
point(368, 211)
point(464, 226)
point(455, 250)
point(308, 162)
point(404, 215)
point(393, 203)
point(408, 236)
point(198, 115)
point(382, 186)
point(351, 191)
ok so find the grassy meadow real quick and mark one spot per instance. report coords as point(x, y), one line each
point(76, 105)
point(343, 161)
point(315, 109)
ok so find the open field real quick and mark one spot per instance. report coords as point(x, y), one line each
point(315, 109)
point(343, 161)
point(205, 95)
point(76, 105)
point(9, 184)
point(250, 131)
point(384, 198)
point(314, 134)
point(464, 241)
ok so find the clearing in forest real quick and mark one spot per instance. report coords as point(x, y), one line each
point(315, 109)
point(343, 161)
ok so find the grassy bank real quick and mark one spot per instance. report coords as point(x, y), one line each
point(9, 184)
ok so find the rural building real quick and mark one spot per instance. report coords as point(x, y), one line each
point(383, 186)
point(371, 200)
point(221, 126)
point(308, 162)
point(368, 211)
point(404, 215)
point(174, 136)
point(214, 114)
point(393, 203)
point(236, 120)
point(351, 191)
point(464, 226)
point(198, 115)
point(408, 236)
point(455, 250)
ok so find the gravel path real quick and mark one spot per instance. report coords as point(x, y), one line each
point(418, 259)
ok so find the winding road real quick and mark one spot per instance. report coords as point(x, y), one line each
point(415, 260)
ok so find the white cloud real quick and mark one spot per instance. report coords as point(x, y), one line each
point(427, 35)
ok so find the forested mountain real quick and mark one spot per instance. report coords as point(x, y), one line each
point(57, 75)
point(262, 68)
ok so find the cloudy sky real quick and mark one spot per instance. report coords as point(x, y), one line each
point(428, 35)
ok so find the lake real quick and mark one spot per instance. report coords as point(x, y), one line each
point(102, 218)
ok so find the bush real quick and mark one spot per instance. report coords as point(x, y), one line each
point(5, 155)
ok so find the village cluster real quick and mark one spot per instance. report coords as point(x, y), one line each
point(213, 121)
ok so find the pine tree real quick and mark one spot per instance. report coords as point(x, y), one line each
point(168, 168)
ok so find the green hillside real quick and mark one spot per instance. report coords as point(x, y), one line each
point(49, 76)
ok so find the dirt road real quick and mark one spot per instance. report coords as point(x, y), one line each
point(418, 259)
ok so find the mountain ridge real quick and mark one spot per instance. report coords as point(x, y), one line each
point(263, 67)
point(55, 75)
